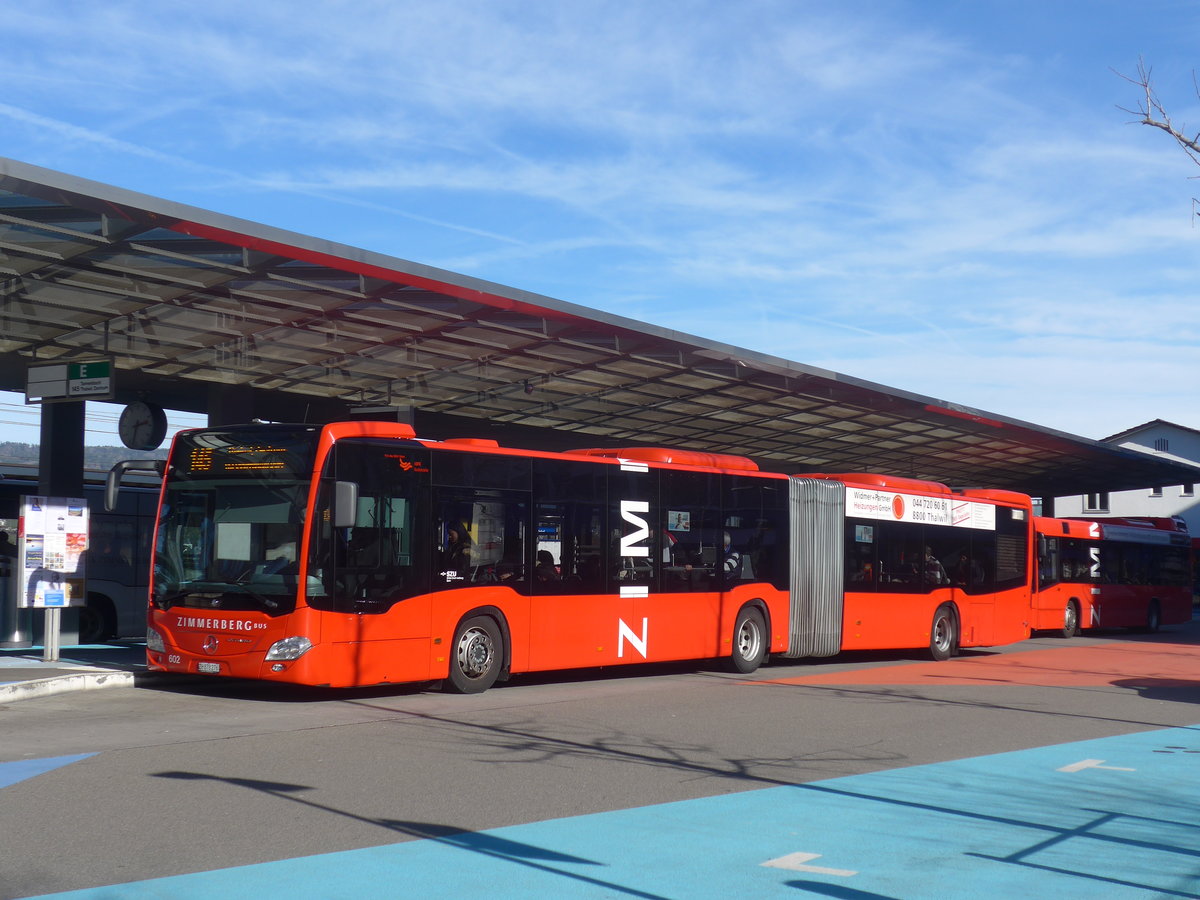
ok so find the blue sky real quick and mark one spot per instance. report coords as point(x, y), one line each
point(942, 197)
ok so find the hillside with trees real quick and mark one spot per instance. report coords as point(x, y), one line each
point(101, 458)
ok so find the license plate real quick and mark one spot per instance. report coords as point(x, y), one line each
point(210, 667)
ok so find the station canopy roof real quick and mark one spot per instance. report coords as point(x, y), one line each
point(191, 305)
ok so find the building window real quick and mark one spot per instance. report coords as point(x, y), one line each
point(1156, 491)
point(1161, 444)
point(1187, 490)
point(1096, 502)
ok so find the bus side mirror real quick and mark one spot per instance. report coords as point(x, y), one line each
point(345, 504)
point(112, 484)
point(1041, 546)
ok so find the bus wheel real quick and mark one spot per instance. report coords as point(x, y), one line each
point(97, 621)
point(943, 634)
point(1070, 620)
point(1153, 617)
point(749, 641)
point(478, 656)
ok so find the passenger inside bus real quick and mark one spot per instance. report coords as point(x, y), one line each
point(456, 558)
point(966, 571)
point(546, 572)
point(861, 569)
point(935, 573)
point(362, 550)
point(732, 561)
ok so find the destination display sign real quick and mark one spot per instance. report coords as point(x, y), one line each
point(238, 454)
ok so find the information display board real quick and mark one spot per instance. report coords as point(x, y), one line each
point(53, 552)
point(84, 380)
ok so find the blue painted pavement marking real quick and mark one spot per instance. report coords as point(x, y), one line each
point(12, 772)
point(1111, 818)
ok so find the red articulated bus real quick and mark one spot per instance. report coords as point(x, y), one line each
point(1112, 573)
point(917, 552)
point(355, 554)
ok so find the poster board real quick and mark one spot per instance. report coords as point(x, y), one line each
point(52, 549)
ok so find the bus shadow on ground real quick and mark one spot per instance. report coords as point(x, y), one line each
point(1170, 690)
point(243, 689)
point(246, 689)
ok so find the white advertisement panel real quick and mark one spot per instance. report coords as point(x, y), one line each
point(891, 506)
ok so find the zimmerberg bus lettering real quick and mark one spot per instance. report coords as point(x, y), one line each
point(624, 633)
point(206, 624)
point(629, 542)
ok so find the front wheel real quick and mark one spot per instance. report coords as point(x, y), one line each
point(943, 634)
point(749, 641)
point(478, 656)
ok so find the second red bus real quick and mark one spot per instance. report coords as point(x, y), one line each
point(1112, 573)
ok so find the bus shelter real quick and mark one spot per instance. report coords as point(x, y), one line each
point(191, 310)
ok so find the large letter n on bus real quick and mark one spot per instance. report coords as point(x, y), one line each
point(625, 634)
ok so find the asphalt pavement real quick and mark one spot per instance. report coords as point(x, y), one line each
point(25, 673)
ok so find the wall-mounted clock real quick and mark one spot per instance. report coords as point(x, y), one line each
point(142, 426)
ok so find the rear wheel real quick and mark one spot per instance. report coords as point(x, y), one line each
point(943, 634)
point(1070, 620)
point(749, 641)
point(478, 656)
point(1153, 617)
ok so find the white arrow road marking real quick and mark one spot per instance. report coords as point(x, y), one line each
point(1093, 764)
point(796, 863)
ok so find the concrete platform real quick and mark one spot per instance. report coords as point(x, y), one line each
point(24, 674)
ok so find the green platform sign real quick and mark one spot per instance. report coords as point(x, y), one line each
point(84, 380)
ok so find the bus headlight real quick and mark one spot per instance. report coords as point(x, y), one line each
point(289, 648)
point(154, 641)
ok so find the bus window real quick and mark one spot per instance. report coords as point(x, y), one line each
point(901, 557)
point(1012, 548)
point(1049, 567)
point(947, 556)
point(371, 565)
point(861, 556)
point(756, 514)
point(481, 536)
point(112, 549)
point(691, 538)
point(570, 523)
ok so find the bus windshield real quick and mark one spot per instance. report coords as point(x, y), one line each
point(232, 516)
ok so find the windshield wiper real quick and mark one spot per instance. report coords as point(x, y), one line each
point(243, 587)
point(213, 592)
point(169, 600)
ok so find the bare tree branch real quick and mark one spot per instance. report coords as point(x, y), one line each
point(1151, 111)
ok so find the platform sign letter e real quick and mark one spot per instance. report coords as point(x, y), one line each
point(631, 544)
